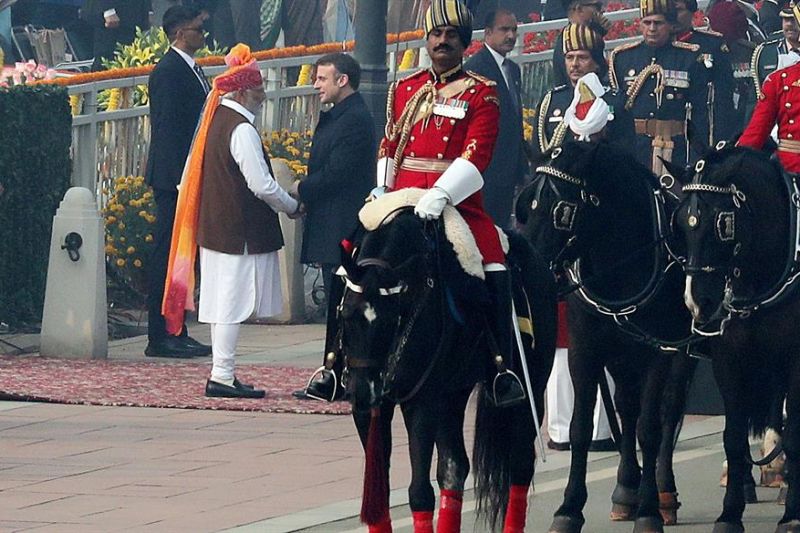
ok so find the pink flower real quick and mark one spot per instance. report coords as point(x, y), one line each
point(17, 78)
point(50, 74)
point(41, 69)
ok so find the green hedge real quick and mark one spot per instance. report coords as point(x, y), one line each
point(35, 135)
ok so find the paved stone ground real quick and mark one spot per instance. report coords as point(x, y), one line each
point(67, 468)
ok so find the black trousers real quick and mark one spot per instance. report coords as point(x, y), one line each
point(166, 203)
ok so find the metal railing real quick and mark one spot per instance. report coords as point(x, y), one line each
point(108, 144)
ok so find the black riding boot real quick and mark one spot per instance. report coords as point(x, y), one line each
point(326, 382)
point(503, 386)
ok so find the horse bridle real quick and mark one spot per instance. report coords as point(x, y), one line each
point(725, 232)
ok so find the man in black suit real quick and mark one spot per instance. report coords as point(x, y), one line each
point(341, 173)
point(509, 164)
point(177, 89)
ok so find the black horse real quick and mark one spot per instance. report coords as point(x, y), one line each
point(415, 335)
point(738, 223)
point(595, 214)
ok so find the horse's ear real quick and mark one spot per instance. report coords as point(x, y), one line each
point(696, 141)
point(354, 272)
point(522, 204)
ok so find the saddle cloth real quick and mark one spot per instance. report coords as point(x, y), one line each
point(385, 208)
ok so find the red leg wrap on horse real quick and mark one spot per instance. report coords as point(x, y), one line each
point(383, 527)
point(423, 521)
point(449, 511)
point(517, 509)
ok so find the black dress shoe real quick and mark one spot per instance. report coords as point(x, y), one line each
point(199, 348)
point(558, 446)
point(218, 390)
point(169, 347)
point(603, 445)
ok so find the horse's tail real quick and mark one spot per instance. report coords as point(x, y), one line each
point(491, 459)
point(504, 448)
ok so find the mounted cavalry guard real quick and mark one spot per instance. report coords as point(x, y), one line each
point(582, 49)
point(440, 133)
point(778, 103)
point(665, 84)
point(779, 51)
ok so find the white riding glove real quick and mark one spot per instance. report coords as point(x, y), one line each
point(456, 184)
point(432, 203)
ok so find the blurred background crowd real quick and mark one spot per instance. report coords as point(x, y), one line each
point(261, 24)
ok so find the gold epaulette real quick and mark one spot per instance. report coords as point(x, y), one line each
point(411, 76)
point(708, 31)
point(614, 52)
point(754, 69)
point(482, 79)
point(686, 46)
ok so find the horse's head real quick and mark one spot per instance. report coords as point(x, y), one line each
point(554, 210)
point(389, 270)
point(713, 229)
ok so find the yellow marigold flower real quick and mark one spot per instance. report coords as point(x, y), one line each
point(148, 238)
point(131, 250)
point(306, 155)
point(120, 262)
point(122, 240)
point(137, 263)
point(143, 214)
point(110, 249)
point(111, 220)
point(121, 225)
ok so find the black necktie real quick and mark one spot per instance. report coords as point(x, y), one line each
point(203, 80)
point(512, 88)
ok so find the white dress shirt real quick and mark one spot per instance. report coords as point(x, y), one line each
point(500, 59)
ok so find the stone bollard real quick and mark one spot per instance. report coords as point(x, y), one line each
point(294, 304)
point(75, 321)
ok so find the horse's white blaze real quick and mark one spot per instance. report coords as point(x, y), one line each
point(689, 299)
point(369, 313)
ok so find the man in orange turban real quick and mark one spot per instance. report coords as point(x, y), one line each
point(228, 206)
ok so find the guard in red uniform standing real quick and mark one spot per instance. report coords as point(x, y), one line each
point(778, 103)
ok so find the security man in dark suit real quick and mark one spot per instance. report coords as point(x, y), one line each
point(509, 163)
point(715, 56)
point(177, 89)
point(583, 52)
point(767, 57)
point(341, 174)
point(666, 86)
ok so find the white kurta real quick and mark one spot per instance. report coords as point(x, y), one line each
point(236, 287)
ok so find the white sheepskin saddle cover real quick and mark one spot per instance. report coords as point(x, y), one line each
point(455, 228)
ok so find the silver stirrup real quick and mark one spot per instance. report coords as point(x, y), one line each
point(321, 371)
point(509, 401)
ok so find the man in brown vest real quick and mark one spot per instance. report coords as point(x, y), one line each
point(230, 187)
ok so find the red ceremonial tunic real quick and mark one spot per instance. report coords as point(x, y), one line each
point(780, 105)
point(441, 139)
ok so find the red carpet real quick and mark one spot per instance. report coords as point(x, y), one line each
point(151, 384)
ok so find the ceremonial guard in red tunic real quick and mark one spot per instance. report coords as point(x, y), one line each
point(778, 103)
point(441, 127)
point(440, 135)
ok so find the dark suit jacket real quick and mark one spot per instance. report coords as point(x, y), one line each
point(341, 173)
point(176, 100)
point(509, 164)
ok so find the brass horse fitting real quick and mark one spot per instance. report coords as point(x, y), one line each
point(330, 359)
point(499, 363)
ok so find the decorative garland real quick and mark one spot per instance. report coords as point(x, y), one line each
point(262, 55)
